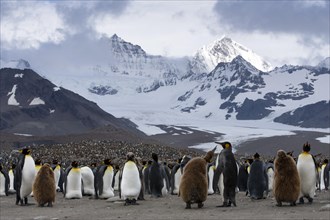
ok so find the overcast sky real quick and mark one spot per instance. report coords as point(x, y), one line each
point(48, 32)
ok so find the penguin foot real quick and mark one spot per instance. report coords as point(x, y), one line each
point(301, 200)
point(310, 200)
point(234, 203)
point(200, 205)
point(279, 204)
point(225, 204)
point(50, 204)
point(133, 202)
point(127, 202)
point(188, 206)
point(293, 204)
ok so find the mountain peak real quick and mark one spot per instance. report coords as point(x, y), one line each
point(15, 64)
point(225, 50)
point(325, 63)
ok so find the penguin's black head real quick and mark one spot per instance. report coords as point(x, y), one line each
point(144, 162)
point(290, 153)
point(154, 157)
point(26, 151)
point(306, 147)
point(325, 161)
point(55, 162)
point(149, 162)
point(93, 165)
point(0, 167)
point(225, 145)
point(37, 162)
point(74, 164)
point(130, 156)
point(107, 162)
point(256, 156)
point(13, 166)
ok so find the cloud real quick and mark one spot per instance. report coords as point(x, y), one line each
point(29, 24)
point(296, 17)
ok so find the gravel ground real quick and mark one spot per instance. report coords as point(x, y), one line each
point(169, 207)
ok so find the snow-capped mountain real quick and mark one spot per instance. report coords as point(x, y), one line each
point(153, 90)
point(15, 64)
point(128, 60)
point(224, 50)
point(245, 93)
point(324, 63)
point(33, 105)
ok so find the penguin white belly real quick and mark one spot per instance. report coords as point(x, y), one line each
point(210, 190)
point(177, 179)
point(322, 185)
point(28, 175)
point(130, 182)
point(220, 184)
point(11, 180)
point(37, 168)
point(57, 174)
point(307, 174)
point(164, 189)
point(270, 174)
point(87, 177)
point(2, 185)
point(116, 186)
point(107, 184)
point(73, 184)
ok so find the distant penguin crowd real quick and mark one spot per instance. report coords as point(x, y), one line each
point(288, 179)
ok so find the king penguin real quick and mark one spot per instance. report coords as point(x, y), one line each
point(210, 175)
point(258, 179)
point(87, 178)
point(194, 183)
point(158, 181)
point(24, 176)
point(270, 174)
point(243, 176)
point(72, 182)
point(176, 174)
point(104, 178)
point(4, 182)
point(307, 170)
point(323, 173)
point(226, 165)
point(326, 176)
point(11, 175)
point(59, 175)
point(130, 182)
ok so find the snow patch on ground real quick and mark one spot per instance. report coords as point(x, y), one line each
point(325, 139)
point(12, 100)
point(37, 101)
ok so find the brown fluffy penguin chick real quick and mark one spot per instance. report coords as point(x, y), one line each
point(193, 186)
point(286, 179)
point(44, 186)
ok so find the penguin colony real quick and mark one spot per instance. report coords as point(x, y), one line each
point(290, 180)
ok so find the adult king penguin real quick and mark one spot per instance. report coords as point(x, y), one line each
point(130, 181)
point(226, 165)
point(11, 175)
point(72, 182)
point(4, 182)
point(87, 178)
point(307, 170)
point(258, 179)
point(24, 176)
point(157, 178)
point(104, 178)
point(59, 175)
